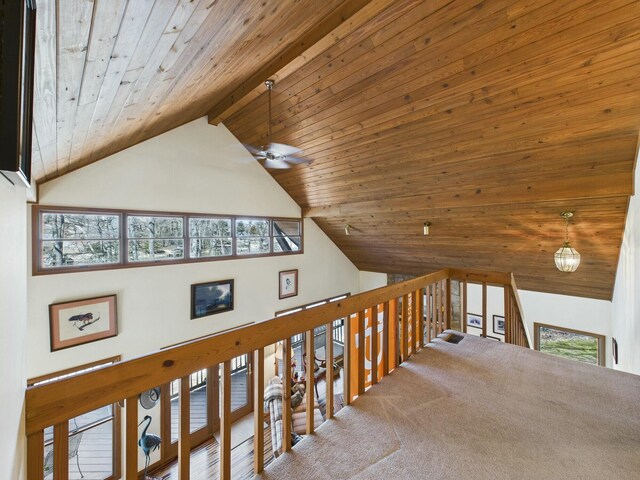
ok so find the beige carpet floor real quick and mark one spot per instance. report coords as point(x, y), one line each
point(479, 410)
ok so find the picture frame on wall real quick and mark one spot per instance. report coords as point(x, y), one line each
point(474, 320)
point(614, 350)
point(288, 281)
point(82, 321)
point(211, 298)
point(498, 324)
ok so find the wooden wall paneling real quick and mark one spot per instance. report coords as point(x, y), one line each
point(35, 456)
point(184, 430)
point(310, 389)
point(258, 410)
point(225, 421)
point(374, 345)
point(131, 437)
point(404, 321)
point(330, 371)
point(385, 340)
point(362, 346)
point(61, 451)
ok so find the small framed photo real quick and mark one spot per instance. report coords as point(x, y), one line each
point(82, 321)
point(288, 284)
point(498, 324)
point(474, 320)
point(211, 297)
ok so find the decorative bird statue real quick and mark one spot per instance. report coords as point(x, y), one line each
point(148, 443)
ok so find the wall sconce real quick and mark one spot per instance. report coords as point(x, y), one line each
point(347, 230)
point(425, 228)
point(567, 258)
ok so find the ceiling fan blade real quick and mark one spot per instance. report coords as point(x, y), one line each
point(254, 150)
point(275, 164)
point(282, 149)
point(298, 160)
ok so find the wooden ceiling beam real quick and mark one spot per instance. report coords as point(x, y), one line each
point(313, 43)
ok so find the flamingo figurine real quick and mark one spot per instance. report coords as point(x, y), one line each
point(148, 443)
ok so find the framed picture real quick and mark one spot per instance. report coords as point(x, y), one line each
point(211, 298)
point(82, 321)
point(614, 350)
point(288, 284)
point(498, 324)
point(474, 320)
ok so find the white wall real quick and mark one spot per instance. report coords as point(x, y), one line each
point(195, 168)
point(13, 327)
point(578, 313)
point(372, 280)
point(495, 306)
point(626, 295)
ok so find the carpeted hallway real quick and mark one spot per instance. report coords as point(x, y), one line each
point(480, 410)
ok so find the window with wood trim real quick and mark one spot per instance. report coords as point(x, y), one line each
point(574, 344)
point(74, 239)
point(94, 437)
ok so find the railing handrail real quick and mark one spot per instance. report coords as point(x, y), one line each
point(58, 401)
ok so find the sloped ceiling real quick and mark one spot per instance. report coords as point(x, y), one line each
point(486, 119)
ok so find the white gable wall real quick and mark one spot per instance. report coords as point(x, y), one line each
point(194, 168)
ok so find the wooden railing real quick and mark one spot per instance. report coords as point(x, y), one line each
point(407, 315)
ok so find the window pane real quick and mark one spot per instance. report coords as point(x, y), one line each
point(209, 227)
point(78, 253)
point(155, 227)
point(248, 246)
point(286, 244)
point(210, 247)
point(146, 250)
point(252, 228)
point(79, 226)
point(286, 228)
point(583, 348)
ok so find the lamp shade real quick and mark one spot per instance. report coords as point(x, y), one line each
point(567, 258)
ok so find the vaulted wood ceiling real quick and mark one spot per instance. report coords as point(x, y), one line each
point(485, 118)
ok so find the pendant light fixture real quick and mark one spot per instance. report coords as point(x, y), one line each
point(567, 258)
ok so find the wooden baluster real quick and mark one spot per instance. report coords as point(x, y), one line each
point(429, 312)
point(415, 334)
point(437, 312)
point(225, 422)
point(447, 300)
point(463, 315)
point(362, 345)
point(484, 309)
point(35, 456)
point(346, 355)
point(385, 340)
point(310, 389)
point(328, 358)
point(507, 314)
point(184, 430)
point(131, 439)
point(395, 340)
point(286, 401)
point(258, 410)
point(420, 315)
point(61, 451)
point(374, 344)
point(405, 327)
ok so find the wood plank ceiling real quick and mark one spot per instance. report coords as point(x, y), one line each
point(485, 118)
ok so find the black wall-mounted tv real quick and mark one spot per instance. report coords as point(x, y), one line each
point(17, 48)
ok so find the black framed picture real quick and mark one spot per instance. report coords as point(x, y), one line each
point(474, 320)
point(211, 297)
point(498, 324)
point(614, 350)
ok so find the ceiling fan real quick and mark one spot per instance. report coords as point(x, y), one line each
point(276, 155)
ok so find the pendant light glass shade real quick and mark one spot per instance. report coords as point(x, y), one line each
point(567, 258)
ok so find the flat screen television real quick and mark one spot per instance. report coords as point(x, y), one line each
point(17, 48)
